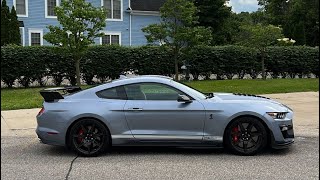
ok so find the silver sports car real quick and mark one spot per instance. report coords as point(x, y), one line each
point(158, 111)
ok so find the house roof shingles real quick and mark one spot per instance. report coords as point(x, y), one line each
point(146, 5)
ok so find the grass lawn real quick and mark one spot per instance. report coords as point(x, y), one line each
point(21, 98)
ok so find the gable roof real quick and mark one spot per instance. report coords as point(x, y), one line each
point(146, 5)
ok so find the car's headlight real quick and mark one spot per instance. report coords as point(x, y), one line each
point(277, 115)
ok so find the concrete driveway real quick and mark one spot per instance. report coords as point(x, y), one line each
point(23, 157)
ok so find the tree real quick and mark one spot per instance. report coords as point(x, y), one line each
point(231, 26)
point(14, 33)
point(277, 10)
point(298, 18)
point(4, 23)
point(260, 17)
point(303, 22)
point(259, 37)
point(213, 14)
point(80, 22)
point(177, 29)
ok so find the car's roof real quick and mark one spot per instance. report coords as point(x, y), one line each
point(133, 79)
point(122, 77)
point(123, 80)
point(91, 93)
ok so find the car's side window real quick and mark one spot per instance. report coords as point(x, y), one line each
point(113, 93)
point(152, 91)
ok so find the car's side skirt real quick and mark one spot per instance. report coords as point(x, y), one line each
point(166, 140)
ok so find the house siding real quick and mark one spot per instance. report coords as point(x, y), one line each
point(139, 22)
point(36, 20)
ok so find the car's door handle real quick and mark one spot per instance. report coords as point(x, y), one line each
point(135, 109)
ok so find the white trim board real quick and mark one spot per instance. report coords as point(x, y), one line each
point(23, 36)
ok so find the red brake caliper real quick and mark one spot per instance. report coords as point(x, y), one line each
point(80, 139)
point(235, 137)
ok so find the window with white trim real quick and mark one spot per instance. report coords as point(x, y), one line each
point(21, 7)
point(111, 39)
point(49, 8)
point(114, 9)
point(36, 37)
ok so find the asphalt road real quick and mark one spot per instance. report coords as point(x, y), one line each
point(25, 158)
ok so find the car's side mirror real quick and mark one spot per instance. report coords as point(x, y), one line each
point(184, 98)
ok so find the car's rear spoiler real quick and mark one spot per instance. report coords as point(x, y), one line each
point(51, 94)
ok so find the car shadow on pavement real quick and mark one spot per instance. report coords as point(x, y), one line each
point(55, 151)
point(150, 150)
point(146, 150)
point(187, 151)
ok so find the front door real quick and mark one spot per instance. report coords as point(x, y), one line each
point(154, 114)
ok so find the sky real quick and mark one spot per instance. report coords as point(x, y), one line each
point(244, 5)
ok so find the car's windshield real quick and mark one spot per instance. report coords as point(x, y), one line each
point(194, 92)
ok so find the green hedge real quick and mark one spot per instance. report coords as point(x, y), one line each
point(28, 64)
point(292, 61)
point(223, 61)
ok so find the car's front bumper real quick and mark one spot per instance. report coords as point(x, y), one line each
point(281, 132)
point(287, 138)
point(282, 145)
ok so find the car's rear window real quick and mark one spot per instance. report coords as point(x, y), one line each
point(113, 93)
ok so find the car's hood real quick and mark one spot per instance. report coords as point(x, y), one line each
point(234, 96)
point(250, 99)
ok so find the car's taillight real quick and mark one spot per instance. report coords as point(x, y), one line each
point(41, 111)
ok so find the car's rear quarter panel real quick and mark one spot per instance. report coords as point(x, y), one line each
point(62, 114)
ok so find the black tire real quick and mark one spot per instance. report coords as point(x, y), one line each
point(89, 137)
point(246, 136)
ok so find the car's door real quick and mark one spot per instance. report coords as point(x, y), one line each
point(153, 113)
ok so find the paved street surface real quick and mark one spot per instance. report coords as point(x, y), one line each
point(23, 157)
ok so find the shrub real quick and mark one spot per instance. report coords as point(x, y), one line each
point(27, 64)
point(292, 61)
point(223, 61)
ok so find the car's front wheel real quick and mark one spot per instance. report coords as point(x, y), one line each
point(89, 137)
point(246, 136)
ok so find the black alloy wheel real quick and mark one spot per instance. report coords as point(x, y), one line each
point(89, 137)
point(246, 136)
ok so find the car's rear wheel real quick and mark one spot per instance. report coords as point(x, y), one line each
point(89, 137)
point(246, 136)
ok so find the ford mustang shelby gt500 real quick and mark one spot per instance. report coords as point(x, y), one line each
point(158, 111)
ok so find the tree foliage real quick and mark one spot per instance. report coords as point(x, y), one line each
point(14, 33)
point(5, 19)
point(10, 32)
point(213, 14)
point(80, 22)
point(259, 37)
point(298, 18)
point(177, 28)
point(277, 10)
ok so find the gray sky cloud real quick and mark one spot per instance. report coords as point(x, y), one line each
point(244, 5)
